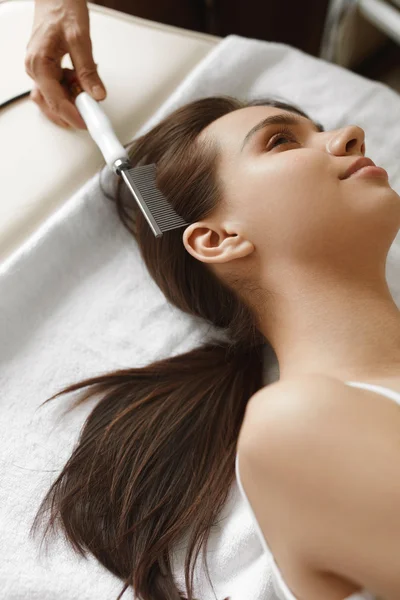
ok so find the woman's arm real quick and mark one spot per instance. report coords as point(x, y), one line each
point(320, 462)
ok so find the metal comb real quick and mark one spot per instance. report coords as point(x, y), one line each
point(141, 181)
point(155, 207)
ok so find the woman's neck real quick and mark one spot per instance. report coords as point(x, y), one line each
point(349, 331)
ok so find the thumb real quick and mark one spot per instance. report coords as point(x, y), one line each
point(86, 69)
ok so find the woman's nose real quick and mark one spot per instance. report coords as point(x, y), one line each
point(349, 140)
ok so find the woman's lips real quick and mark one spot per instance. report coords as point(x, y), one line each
point(370, 171)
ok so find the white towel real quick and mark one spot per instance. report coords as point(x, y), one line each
point(76, 300)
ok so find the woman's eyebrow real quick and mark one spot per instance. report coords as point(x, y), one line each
point(281, 119)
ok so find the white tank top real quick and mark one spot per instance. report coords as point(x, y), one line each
point(281, 589)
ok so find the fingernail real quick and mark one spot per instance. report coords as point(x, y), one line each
point(98, 92)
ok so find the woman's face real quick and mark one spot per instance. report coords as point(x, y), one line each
point(285, 192)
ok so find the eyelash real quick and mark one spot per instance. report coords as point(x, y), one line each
point(284, 130)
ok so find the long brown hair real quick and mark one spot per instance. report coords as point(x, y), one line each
point(155, 459)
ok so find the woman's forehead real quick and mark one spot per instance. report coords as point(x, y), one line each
point(238, 122)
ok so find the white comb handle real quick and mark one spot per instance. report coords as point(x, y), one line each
point(100, 129)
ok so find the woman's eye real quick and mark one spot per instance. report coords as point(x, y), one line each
point(278, 137)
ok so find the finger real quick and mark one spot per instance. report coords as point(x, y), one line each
point(64, 106)
point(80, 50)
point(48, 76)
point(37, 97)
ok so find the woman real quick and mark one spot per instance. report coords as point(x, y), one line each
point(282, 248)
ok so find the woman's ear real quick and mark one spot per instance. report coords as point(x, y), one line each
point(212, 244)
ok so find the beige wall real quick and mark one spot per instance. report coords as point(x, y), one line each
point(357, 40)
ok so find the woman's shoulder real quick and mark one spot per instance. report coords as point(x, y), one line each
point(297, 392)
point(323, 392)
point(310, 407)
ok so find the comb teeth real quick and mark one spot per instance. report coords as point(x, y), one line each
point(155, 207)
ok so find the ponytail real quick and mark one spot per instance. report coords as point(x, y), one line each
point(155, 460)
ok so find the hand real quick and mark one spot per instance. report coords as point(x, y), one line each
point(61, 27)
